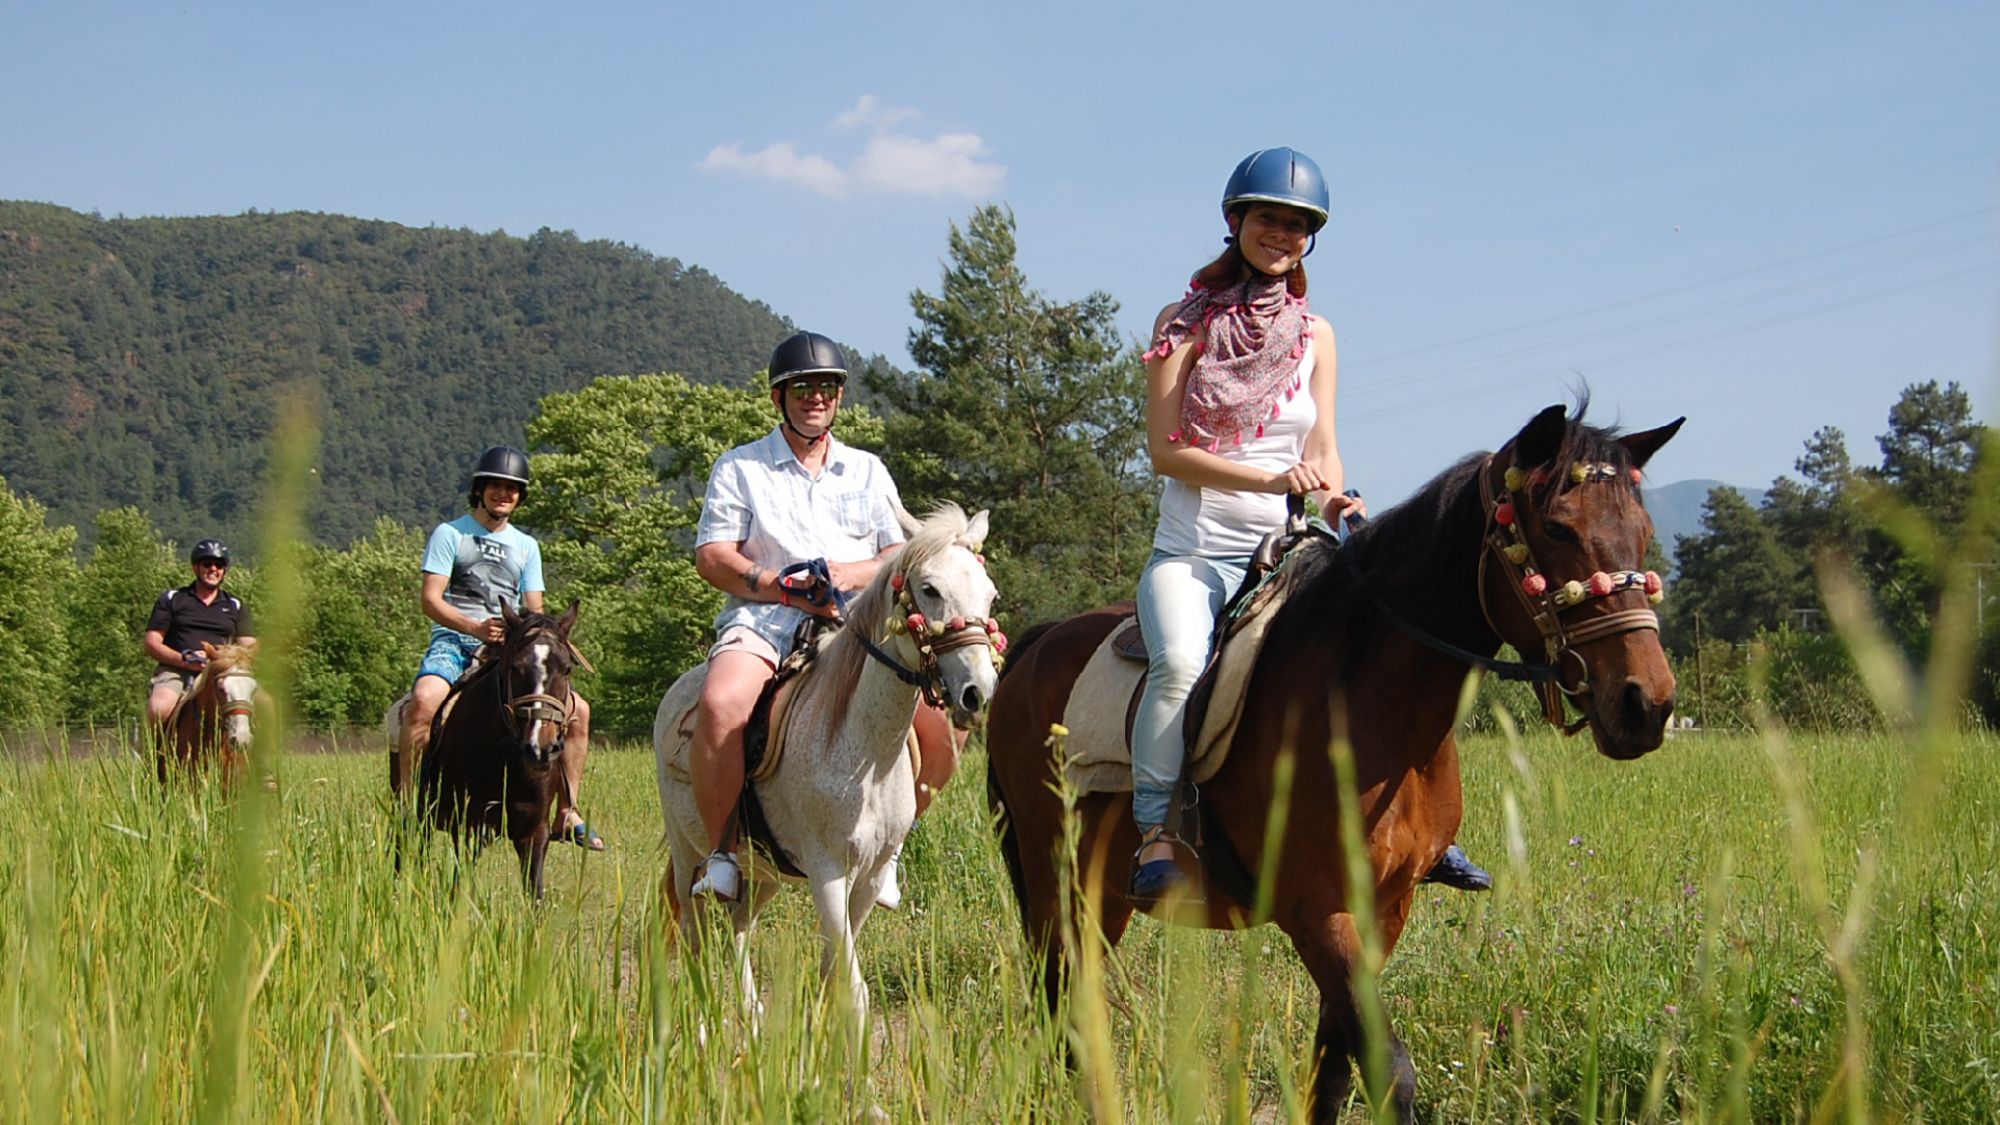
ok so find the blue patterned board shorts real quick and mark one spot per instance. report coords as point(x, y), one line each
point(448, 657)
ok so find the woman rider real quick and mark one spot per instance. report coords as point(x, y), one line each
point(1239, 414)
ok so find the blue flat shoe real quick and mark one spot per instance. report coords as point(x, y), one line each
point(1154, 880)
point(1456, 870)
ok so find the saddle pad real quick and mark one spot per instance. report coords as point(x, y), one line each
point(1099, 758)
point(677, 715)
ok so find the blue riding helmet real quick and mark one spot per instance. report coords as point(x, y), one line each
point(1279, 175)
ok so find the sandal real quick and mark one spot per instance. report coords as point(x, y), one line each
point(1154, 880)
point(581, 835)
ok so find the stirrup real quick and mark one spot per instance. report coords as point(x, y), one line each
point(1154, 880)
point(721, 878)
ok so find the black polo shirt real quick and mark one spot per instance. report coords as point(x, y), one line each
point(186, 622)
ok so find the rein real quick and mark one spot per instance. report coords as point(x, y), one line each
point(932, 638)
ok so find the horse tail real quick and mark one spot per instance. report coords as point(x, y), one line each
point(1010, 841)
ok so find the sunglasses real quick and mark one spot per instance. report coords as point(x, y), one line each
point(825, 388)
point(219, 564)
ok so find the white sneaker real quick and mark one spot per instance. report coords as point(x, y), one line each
point(721, 878)
point(890, 895)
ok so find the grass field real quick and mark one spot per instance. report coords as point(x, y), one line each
point(1672, 939)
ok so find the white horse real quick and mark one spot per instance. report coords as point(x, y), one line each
point(843, 794)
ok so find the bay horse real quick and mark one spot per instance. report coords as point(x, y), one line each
point(495, 753)
point(213, 717)
point(1372, 645)
point(842, 795)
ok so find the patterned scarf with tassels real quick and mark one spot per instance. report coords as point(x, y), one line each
point(1257, 333)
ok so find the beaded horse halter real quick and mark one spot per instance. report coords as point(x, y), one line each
point(932, 638)
point(1545, 602)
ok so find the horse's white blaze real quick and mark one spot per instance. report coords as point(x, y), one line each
point(538, 684)
point(239, 688)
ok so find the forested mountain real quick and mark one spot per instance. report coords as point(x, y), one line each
point(142, 360)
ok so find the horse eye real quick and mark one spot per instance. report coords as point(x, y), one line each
point(930, 591)
point(1560, 532)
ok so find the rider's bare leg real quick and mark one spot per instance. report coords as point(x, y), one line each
point(937, 753)
point(576, 748)
point(425, 697)
point(716, 767)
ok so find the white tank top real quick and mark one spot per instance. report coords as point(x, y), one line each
point(1224, 523)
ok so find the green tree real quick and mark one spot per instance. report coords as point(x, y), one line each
point(37, 564)
point(1032, 408)
point(129, 567)
point(364, 626)
point(1735, 574)
point(1821, 509)
point(1929, 450)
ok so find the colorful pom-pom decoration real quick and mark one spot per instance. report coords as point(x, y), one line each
point(1579, 472)
point(937, 628)
point(1000, 662)
point(1000, 642)
point(956, 624)
point(1534, 585)
point(895, 626)
point(1637, 476)
point(1515, 479)
point(992, 626)
point(1517, 553)
point(1573, 591)
point(1504, 515)
point(1601, 584)
point(916, 624)
point(1656, 596)
point(1653, 583)
point(897, 581)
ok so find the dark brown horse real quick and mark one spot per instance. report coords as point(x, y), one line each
point(495, 754)
point(213, 720)
point(1535, 546)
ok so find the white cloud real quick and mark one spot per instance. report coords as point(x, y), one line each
point(891, 162)
point(780, 162)
point(944, 165)
point(869, 110)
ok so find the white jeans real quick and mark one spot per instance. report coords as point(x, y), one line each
point(1179, 598)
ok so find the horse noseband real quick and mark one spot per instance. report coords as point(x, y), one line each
point(1546, 602)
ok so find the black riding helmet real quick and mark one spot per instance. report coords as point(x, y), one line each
point(807, 353)
point(209, 549)
point(500, 462)
point(804, 353)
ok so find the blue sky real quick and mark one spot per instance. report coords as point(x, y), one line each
point(1768, 217)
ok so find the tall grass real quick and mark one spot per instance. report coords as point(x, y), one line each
point(1655, 954)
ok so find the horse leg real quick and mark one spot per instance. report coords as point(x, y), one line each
point(838, 965)
point(1330, 947)
point(533, 849)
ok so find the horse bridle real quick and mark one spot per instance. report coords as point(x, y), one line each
point(523, 711)
point(933, 639)
point(232, 708)
point(1546, 602)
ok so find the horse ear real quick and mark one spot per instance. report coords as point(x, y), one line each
point(1642, 446)
point(208, 649)
point(507, 613)
point(975, 531)
point(1541, 439)
point(906, 521)
point(568, 619)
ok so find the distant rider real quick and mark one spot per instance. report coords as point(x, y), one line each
point(185, 617)
point(473, 566)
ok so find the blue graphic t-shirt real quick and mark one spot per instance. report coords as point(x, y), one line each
point(483, 568)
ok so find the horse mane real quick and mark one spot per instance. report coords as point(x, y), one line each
point(838, 663)
point(230, 657)
point(1398, 557)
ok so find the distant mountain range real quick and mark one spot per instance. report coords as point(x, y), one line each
point(142, 360)
point(1676, 508)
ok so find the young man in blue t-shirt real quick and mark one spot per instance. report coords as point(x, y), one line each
point(473, 565)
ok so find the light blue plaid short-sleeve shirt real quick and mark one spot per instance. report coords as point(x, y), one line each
point(759, 496)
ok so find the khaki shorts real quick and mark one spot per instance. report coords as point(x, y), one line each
point(180, 680)
point(744, 639)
